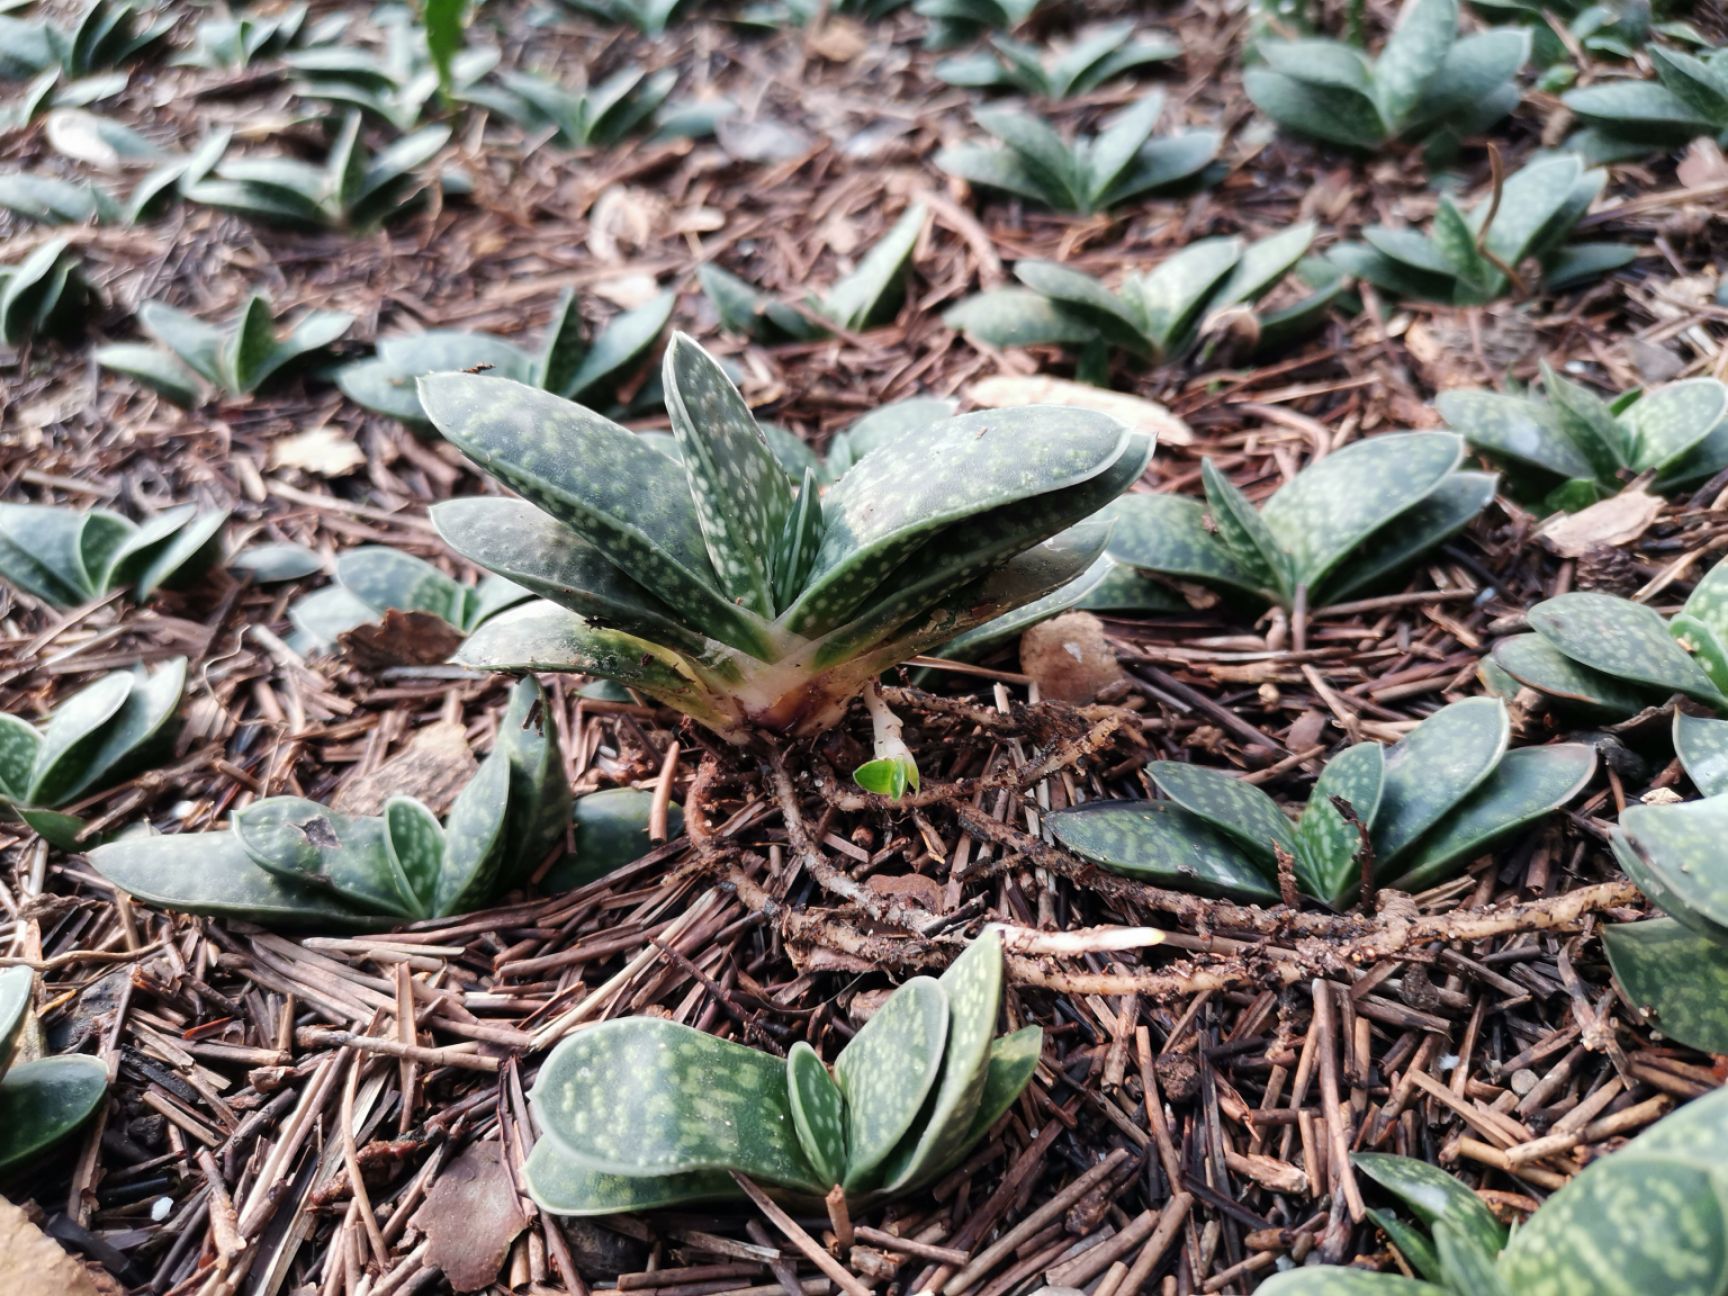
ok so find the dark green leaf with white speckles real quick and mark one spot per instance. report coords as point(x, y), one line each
point(317, 847)
point(1698, 1131)
point(1413, 53)
point(564, 1185)
point(1336, 114)
point(41, 1102)
point(1708, 601)
point(539, 813)
point(1335, 1280)
point(1431, 770)
point(618, 345)
point(1534, 204)
point(1676, 978)
point(1468, 1265)
point(740, 491)
point(15, 986)
point(1444, 512)
point(1006, 317)
point(1535, 663)
point(800, 540)
point(867, 296)
point(384, 578)
point(1174, 294)
point(211, 873)
point(1163, 844)
point(886, 1072)
point(1229, 804)
point(1328, 845)
point(1621, 638)
point(1114, 316)
point(1433, 1195)
point(1000, 630)
point(884, 425)
point(475, 839)
point(192, 549)
point(75, 732)
point(1515, 428)
point(565, 348)
point(25, 559)
point(1013, 1061)
point(1587, 422)
point(818, 1112)
point(1708, 649)
point(1527, 784)
point(416, 842)
point(1478, 279)
point(1241, 529)
point(1412, 1243)
point(1329, 508)
point(1669, 422)
point(1168, 534)
point(644, 1096)
point(1041, 152)
point(1676, 857)
point(1702, 746)
point(1122, 589)
point(154, 698)
point(611, 832)
point(386, 383)
point(19, 741)
point(198, 344)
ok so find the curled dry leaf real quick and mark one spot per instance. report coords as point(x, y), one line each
point(326, 451)
point(31, 1264)
point(434, 766)
point(470, 1217)
point(1617, 520)
point(401, 639)
point(1001, 391)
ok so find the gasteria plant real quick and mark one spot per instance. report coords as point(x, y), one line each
point(1575, 448)
point(1648, 1217)
point(650, 17)
point(235, 359)
point(1470, 259)
point(1616, 657)
point(107, 34)
point(1120, 162)
point(42, 1099)
point(1333, 530)
point(1407, 816)
point(374, 579)
point(960, 22)
point(395, 85)
point(598, 117)
point(1159, 315)
point(294, 862)
point(96, 736)
point(232, 42)
point(642, 1112)
point(1079, 68)
point(567, 363)
point(44, 295)
point(723, 588)
point(1426, 81)
point(1628, 119)
point(67, 556)
point(55, 200)
point(867, 297)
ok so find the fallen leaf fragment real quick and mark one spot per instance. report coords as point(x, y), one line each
point(434, 766)
point(1003, 391)
point(32, 1264)
point(1617, 520)
point(326, 451)
point(470, 1218)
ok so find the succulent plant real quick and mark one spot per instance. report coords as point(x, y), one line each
point(568, 363)
point(44, 295)
point(1426, 81)
point(229, 43)
point(1076, 69)
point(107, 34)
point(1470, 259)
point(1647, 1217)
point(624, 104)
point(641, 1112)
point(1615, 29)
point(293, 862)
point(68, 556)
point(374, 579)
point(353, 189)
point(1410, 816)
point(867, 297)
point(235, 359)
point(1158, 315)
point(55, 200)
point(42, 1099)
point(95, 737)
point(1334, 529)
point(1120, 162)
point(1629, 119)
point(960, 22)
point(1577, 448)
point(650, 17)
point(723, 588)
point(52, 89)
point(885, 424)
point(395, 85)
point(1613, 657)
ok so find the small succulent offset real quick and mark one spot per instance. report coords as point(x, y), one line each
point(567, 363)
point(374, 579)
point(353, 189)
point(727, 590)
point(42, 1099)
point(1629, 119)
point(397, 85)
point(95, 737)
point(1160, 315)
point(235, 359)
point(597, 117)
point(1649, 1217)
point(1120, 162)
point(1472, 258)
point(1426, 81)
point(641, 1112)
point(68, 556)
point(1332, 531)
point(107, 34)
point(55, 200)
point(44, 295)
point(650, 17)
point(1616, 658)
point(960, 22)
point(1408, 816)
point(1576, 448)
point(867, 297)
point(291, 861)
point(1079, 68)
point(232, 43)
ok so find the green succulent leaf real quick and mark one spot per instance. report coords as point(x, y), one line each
point(890, 777)
point(1012, 1063)
point(42, 1102)
point(1444, 512)
point(415, 840)
point(1624, 639)
point(540, 803)
point(1433, 1196)
point(1673, 853)
point(1535, 663)
point(1328, 845)
point(1168, 534)
point(1677, 978)
point(19, 742)
point(156, 369)
point(147, 709)
point(1163, 844)
point(818, 1112)
point(16, 984)
point(1668, 423)
point(885, 1073)
point(611, 832)
point(1413, 53)
point(475, 838)
point(1335, 114)
point(314, 846)
point(1241, 528)
point(1701, 744)
point(566, 1185)
point(1431, 770)
point(864, 298)
point(75, 732)
point(1331, 1280)
point(384, 578)
point(1228, 803)
point(1708, 602)
point(1517, 428)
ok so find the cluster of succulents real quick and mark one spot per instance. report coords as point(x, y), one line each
point(44, 295)
point(55, 200)
point(1078, 68)
point(42, 1099)
point(232, 42)
point(641, 1112)
point(1630, 119)
point(593, 117)
point(396, 85)
point(960, 22)
point(106, 34)
point(67, 556)
point(375, 579)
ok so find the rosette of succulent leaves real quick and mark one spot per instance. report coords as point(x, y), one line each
point(294, 862)
point(1090, 175)
point(599, 116)
point(57, 200)
point(44, 296)
point(1627, 119)
point(1427, 82)
point(1208, 293)
point(231, 42)
point(1570, 448)
point(67, 557)
point(1337, 528)
point(106, 34)
point(1617, 29)
point(1408, 816)
point(650, 17)
point(1648, 1217)
point(961, 22)
point(1611, 658)
point(99, 735)
point(866, 298)
point(568, 362)
point(642, 1112)
point(1077, 68)
point(1512, 241)
point(722, 587)
point(396, 84)
point(374, 580)
point(42, 1099)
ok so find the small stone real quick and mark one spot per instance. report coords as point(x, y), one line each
point(1523, 1081)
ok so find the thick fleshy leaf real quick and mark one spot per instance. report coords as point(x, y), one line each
point(1702, 746)
point(643, 1096)
point(1230, 804)
point(1624, 639)
point(75, 732)
point(475, 838)
point(197, 343)
point(155, 368)
point(1432, 1195)
point(415, 840)
point(1114, 316)
point(41, 1102)
point(1475, 85)
point(977, 642)
point(883, 425)
point(1708, 602)
point(152, 702)
point(1413, 53)
point(1168, 534)
point(384, 578)
point(1004, 169)
point(387, 382)
point(1676, 978)
point(625, 338)
point(611, 831)
point(818, 1112)
point(38, 553)
point(1335, 1280)
point(1335, 114)
point(1431, 770)
point(1431, 521)
point(1451, 236)
point(1667, 423)
point(565, 1185)
point(886, 1072)
point(1531, 202)
point(1708, 649)
point(19, 741)
point(800, 540)
point(1122, 147)
point(1674, 853)
point(1535, 663)
point(1012, 1063)
point(15, 987)
point(317, 847)
point(1516, 428)
point(1174, 295)
point(1040, 150)
point(191, 549)
point(1013, 317)
point(1328, 845)
point(1162, 844)
point(1263, 264)
point(1644, 106)
point(539, 810)
point(1239, 525)
point(1588, 421)
point(865, 297)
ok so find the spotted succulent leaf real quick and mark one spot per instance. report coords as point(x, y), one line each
point(1328, 845)
point(818, 1112)
point(382, 578)
point(611, 828)
point(19, 742)
point(1241, 527)
point(74, 733)
point(1230, 804)
point(475, 839)
point(15, 988)
point(1163, 844)
point(1431, 770)
point(868, 295)
point(1443, 513)
point(41, 1102)
point(1413, 53)
point(1329, 1280)
point(1433, 1196)
point(1168, 534)
point(539, 793)
point(415, 840)
point(1676, 979)
point(1673, 853)
point(1623, 639)
point(314, 846)
point(885, 1074)
point(1702, 746)
point(566, 1185)
point(1521, 429)
point(1535, 663)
